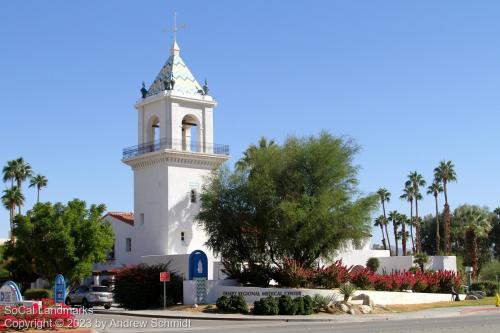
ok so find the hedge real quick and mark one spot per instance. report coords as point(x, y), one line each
point(284, 305)
point(233, 304)
point(37, 294)
point(491, 288)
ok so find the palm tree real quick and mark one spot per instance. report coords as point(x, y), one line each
point(11, 198)
point(474, 222)
point(22, 171)
point(381, 222)
point(385, 196)
point(435, 188)
point(446, 173)
point(408, 196)
point(39, 181)
point(394, 218)
point(250, 154)
point(403, 221)
point(9, 172)
point(416, 180)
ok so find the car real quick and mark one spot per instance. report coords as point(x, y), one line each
point(89, 296)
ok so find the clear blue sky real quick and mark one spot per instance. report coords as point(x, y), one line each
point(413, 82)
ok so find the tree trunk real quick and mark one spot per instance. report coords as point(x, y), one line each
point(403, 237)
point(38, 194)
point(387, 237)
point(417, 228)
point(387, 234)
point(447, 222)
point(411, 228)
point(438, 237)
point(396, 237)
point(383, 236)
point(471, 250)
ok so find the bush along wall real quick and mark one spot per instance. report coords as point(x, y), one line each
point(491, 288)
point(284, 305)
point(139, 287)
point(37, 294)
point(233, 304)
point(294, 275)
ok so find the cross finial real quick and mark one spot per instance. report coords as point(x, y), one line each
point(177, 28)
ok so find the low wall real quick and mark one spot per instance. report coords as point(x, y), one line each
point(404, 263)
point(216, 289)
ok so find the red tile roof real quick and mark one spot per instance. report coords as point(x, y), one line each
point(126, 217)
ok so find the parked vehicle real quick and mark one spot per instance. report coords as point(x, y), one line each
point(89, 296)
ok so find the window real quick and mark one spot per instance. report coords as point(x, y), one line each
point(111, 254)
point(182, 236)
point(141, 218)
point(193, 195)
point(128, 244)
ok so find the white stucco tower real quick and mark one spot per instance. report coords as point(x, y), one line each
point(175, 153)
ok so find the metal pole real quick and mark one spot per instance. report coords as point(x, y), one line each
point(164, 295)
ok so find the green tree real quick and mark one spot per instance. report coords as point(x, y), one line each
point(9, 172)
point(408, 196)
point(494, 236)
point(446, 173)
point(395, 218)
point(38, 181)
point(298, 200)
point(403, 221)
point(382, 223)
point(385, 196)
point(474, 223)
point(11, 198)
point(434, 189)
point(57, 238)
point(416, 180)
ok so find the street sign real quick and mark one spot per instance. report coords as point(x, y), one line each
point(164, 276)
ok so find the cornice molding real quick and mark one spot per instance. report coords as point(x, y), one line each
point(170, 157)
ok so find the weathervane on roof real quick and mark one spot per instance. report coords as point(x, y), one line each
point(177, 28)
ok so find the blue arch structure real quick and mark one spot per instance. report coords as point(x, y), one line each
point(59, 289)
point(198, 265)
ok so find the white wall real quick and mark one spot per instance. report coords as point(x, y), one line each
point(216, 289)
point(404, 263)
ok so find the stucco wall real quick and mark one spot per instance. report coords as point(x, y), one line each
point(402, 263)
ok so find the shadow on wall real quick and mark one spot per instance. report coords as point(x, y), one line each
point(182, 226)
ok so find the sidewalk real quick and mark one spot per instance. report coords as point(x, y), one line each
point(321, 317)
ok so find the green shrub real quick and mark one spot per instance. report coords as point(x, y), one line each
point(373, 264)
point(299, 304)
point(490, 271)
point(266, 306)
point(31, 294)
point(256, 275)
point(321, 303)
point(489, 287)
point(287, 306)
point(139, 287)
point(308, 305)
point(347, 290)
point(233, 304)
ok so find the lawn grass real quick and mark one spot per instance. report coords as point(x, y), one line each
point(415, 307)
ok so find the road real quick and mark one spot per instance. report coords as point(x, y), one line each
point(476, 323)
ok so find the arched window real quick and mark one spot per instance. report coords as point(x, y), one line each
point(153, 133)
point(191, 134)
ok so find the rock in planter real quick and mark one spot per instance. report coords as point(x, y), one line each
point(344, 307)
point(351, 312)
point(365, 309)
point(332, 309)
point(365, 298)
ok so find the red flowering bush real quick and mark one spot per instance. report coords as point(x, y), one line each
point(331, 276)
point(362, 278)
point(293, 274)
point(47, 317)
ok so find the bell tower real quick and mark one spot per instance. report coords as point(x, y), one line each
point(174, 154)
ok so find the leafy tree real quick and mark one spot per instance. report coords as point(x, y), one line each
point(11, 198)
point(57, 238)
point(385, 196)
point(446, 173)
point(38, 181)
point(382, 223)
point(434, 189)
point(298, 200)
point(494, 236)
point(416, 180)
point(475, 223)
point(9, 172)
point(403, 221)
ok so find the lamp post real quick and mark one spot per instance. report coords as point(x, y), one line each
point(469, 271)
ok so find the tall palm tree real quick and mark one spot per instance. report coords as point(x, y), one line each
point(408, 196)
point(381, 222)
point(250, 154)
point(385, 196)
point(395, 219)
point(445, 171)
point(38, 181)
point(11, 198)
point(416, 180)
point(474, 222)
point(9, 172)
point(434, 189)
point(22, 171)
point(403, 221)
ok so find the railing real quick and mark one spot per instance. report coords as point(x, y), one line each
point(193, 147)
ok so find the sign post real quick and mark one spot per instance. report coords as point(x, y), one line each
point(164, 277)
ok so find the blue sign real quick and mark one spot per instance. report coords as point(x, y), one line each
point(59, 289)
point(10, 293)
point(198, 265)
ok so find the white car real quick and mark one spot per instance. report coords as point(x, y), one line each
point(88, 296)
